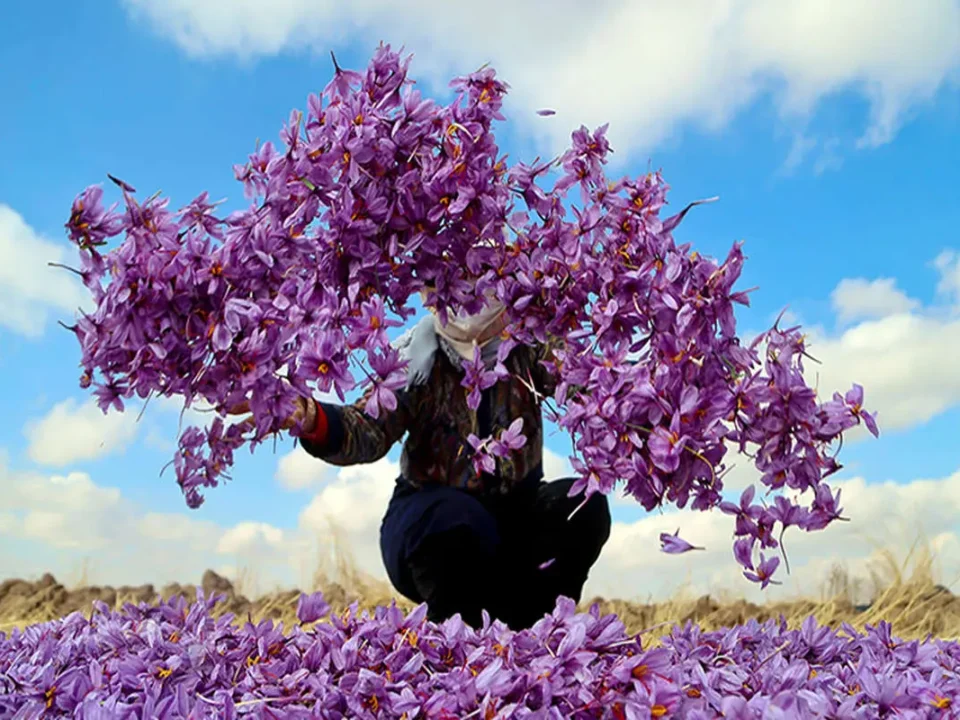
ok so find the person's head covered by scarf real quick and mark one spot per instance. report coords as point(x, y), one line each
point(461, 332)
point(464, 331)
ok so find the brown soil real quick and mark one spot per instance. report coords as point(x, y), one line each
point(917, 607)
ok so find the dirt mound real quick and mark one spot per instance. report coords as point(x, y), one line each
point(24, 602)
point(916, 609)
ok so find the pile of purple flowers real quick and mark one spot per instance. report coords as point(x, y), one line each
point(378, 194)
point(174, 660)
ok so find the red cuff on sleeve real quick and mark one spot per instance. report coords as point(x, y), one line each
point(319, 434)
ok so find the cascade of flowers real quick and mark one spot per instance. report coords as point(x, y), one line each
point(376, 193)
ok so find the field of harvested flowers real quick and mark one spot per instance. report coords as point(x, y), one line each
point(118, 652)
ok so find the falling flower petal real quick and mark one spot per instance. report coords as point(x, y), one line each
point(674, 544)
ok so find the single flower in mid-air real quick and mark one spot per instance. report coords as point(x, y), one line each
point(674, 544)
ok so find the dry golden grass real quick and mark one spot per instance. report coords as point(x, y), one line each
point(905, 593)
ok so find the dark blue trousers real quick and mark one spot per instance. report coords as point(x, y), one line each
point(513, 556)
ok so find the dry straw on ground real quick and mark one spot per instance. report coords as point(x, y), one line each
point(905, 594)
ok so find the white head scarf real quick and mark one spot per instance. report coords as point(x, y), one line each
point(464, 332)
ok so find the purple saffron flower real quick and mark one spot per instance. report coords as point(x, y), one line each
point(511, 439)
point(342, 81)
point(311, 608)
point(674, 544)
point(854, 399)
point(665, 445)
point(764, 571)
point(746, 512)
point(483, 459)
point(477, 378)
point(743, 551)
point(325, 363)
point(90, 224)
point(390, 378)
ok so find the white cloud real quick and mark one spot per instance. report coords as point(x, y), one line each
point(556, 466)
point(245, 536)
point(647, 67)
point(826, 158)
point(858, 298)
point(947, 264)
point(829, 158)
point(163, 528)
point(82, 520)
point(63, 511)
point(29, 288)
point(72, 433)
point(8, 523)
point(355, 500)
point(298, 470)
point(800, 149)
point(904, 355)
point(900, 350)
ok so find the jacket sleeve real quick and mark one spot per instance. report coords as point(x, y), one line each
point(355, 438)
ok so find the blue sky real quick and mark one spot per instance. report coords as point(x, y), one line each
point(161, 97)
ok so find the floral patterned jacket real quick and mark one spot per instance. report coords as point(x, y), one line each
point(436, 421)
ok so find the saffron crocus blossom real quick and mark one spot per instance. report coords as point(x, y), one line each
point(743, 551)
point(477, 378)
point(666, 445)
point(746, 512)
point(854, 398)
point(764, 571)
point(326, 363)
point(483, 458)
point(311, 608)
point(390, 378)
point(91, 224)
point(376, 193)
point(510, 439)
point(674, 544)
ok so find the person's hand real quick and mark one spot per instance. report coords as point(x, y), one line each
point(305, 411)
point(304, 415)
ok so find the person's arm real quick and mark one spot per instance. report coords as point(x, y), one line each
point(347, 435)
